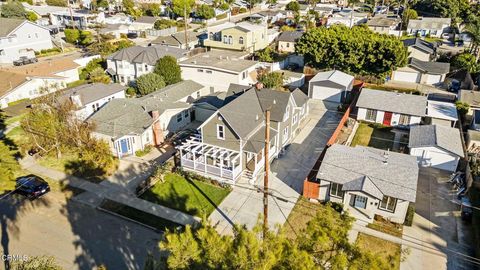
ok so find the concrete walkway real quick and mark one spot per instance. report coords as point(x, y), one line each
point(96, 193)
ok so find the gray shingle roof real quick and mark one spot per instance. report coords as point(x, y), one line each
point(429, 67)
point(332, 78)
point(428, 23)
point(382, 21)
point(397, 177)
point(392, 102)
point(290, 36)
point(8, 25)
point(299, 97)
point(444, 137)
point(256, 142)
point(364, 184)
point(274, 100)
point(175, 92)
point(148, 55)
point(470, 97)
point(220, 59)
point(92, 92)
point(147, 19)
point(420, 44)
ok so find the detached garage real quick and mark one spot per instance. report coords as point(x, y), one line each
point(330, 85)
point(436, 146)
point(424, 72)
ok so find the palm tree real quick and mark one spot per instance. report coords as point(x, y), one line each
point(472, 29)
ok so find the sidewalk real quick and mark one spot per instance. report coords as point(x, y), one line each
point(96, 193)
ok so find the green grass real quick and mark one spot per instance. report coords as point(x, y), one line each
point(17, 135)
point(389, 252)
point(144, 152)
point(13, 119)
point(373, 135)
point(59, 164)
point(76, 83)
point(195, 197)
point(301, 214)
point(140, 216)
point(17, 101)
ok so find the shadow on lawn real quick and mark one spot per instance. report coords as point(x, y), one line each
point(172, 199)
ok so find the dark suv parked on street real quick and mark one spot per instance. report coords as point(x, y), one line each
point(32, 186)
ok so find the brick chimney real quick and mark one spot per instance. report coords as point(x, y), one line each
point(157, 129)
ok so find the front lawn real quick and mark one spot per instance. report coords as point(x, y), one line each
point(374, 135)
point(389, 252)
point(193, 197)
point(59, 164)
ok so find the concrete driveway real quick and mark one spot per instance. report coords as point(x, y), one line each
point(78, 236)
point(244, 204)
point(437, 225)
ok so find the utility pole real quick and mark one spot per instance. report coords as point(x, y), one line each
point(71, 14)
point(265, 177)
point(186, 25)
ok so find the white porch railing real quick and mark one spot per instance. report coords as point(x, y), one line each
point(201, 167)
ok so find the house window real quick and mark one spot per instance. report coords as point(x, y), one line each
point(371, 115)
point(404, 120)
point(388, 204)
point(200, 70)
point(179, 117)
point(287, 113)
point(336, 190)
point(212, 36)
point(225, 39)
point(285, 134)
point(29, 36)
point(240, 40)
point(36, 35)
point(186, 114)
point(288, 44)
point(221, 132)
point(140, 68)
point(198, 94)
point(147, 136)
point(2, 52)
point(295, 119)
point(208, 71)
point(230, 40)
point(244, 75)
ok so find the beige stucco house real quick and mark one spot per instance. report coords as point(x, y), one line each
point(243, 36)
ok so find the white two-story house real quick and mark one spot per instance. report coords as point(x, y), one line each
point(128, 64)
point(21, 38)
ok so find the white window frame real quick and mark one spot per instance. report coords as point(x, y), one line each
point(385, 204)
point(221, 132)
point(404, 120)
point(338, 190)
point(186, 114)
point(285, 134)
point(374, 114)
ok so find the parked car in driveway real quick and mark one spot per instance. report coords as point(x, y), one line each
point(32, 186)
point(24, 60)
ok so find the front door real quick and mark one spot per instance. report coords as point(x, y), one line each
point(387, 118)
point(192, 116)
point(123, 146)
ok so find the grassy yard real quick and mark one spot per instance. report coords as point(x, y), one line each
point(13, 119)
point(374, 136)
point(195, 197)
point(301, 214)
point(58, 164)
point(388, 251)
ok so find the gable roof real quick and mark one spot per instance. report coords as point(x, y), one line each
point(364, 184)
point(176, 39)
point(299, 97)
point(92, 92)
point(393, 174)
point(147, 19)
point(290, 36)
point(336, 77)
point(429, 67)
point(8, 25)
point(276, 101)
point(470, 97)
point(175, 92)
point(444, 137)
point(429, 23)
point(420, 44)
point(148, 55)
point(383, 21)
point(392, 102)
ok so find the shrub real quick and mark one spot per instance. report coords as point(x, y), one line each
point(131, 92)
point(409, 215)
point(243, 10)
point(145, 151)
point(72, 35)
point(194, 176)
point(222, 16)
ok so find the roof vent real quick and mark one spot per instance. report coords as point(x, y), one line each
point(256, 117)
point(274, 102)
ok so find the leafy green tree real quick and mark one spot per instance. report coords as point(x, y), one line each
point(164, 24)
point(37, 263)
point(12, 9)
point(72, 35)
point(472, 29)
point(182, 7)
point(149, 83)
point(93, 64)
point(168, 68)
point(272, 80)
point(9, 163)
point(409, 14)
point(31, 16)
point(205, 11)
point(266, 55)
point(152, 9)
point(224, 6)
point(354, 50)
point(466, 61)
point(130, 8)
point(97, 75)
point(458, 10)
point(85, 37)
point(252, 4)
point(293, 6)
point(58, 3)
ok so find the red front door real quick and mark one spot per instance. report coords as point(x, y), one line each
point(387, 118)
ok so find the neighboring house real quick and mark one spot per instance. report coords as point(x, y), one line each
point(119, 18)
point(420, 49)
point(347, 18)
point(218, 69)
point(424, 72)
point(428, 26)
point(460, 79)
point(21, 38)
point(129, 125)
point(115, 29)
point(383, 24)
point(436, 146)
point(390, 108)
point(475, 120)
point(441, 113)
point(43, 12)
point(128, 64)
point(232, 139)
point(82, 19)
point(31, 81)
point(272, 16)
point(89, 98)
point(143, 23)
point(473, 141)
point(243, 36)
point(332, 85)
point(369, 181)
point(287, 40)
point(470, 97)
point(177, 40)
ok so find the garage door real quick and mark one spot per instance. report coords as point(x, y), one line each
point(326, 93)
point(433, 79)
point(438, 159)
point(403, 76)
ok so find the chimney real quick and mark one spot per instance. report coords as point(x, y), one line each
point(75, 99)
point(157, 130)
